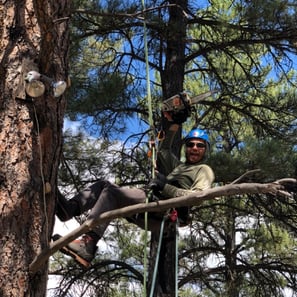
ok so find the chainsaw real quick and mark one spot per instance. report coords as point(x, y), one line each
point(182, 101)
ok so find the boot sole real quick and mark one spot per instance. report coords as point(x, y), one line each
point(67, 251)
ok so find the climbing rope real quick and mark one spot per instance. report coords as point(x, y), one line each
point(157, 257)
point(173, 217)
point(151, 123)
point(176, 256)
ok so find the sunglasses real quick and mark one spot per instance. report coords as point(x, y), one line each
point(193, 144)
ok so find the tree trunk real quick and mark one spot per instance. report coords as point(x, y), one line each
point(34, 36)
point(172, 83)
point(173, 75)
point(230, 256)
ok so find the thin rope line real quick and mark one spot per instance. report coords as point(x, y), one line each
point(157, 258)
point(176, 257)
point(150, 117)
point(41, 172)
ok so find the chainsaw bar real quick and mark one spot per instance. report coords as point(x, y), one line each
point(175, 103)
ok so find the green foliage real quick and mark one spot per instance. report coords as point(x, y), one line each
point(273, 243)
point(268, 160)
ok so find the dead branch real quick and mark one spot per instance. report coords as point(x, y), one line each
point(274, 188)
point(245, 175)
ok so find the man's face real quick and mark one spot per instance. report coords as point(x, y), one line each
point(195, 150)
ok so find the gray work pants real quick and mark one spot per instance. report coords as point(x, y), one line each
point(103, 196)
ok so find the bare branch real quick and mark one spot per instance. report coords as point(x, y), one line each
point(274, 188)
point(245, 175)
point(136, 15)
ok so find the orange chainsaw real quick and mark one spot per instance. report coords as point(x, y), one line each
point(182, 101)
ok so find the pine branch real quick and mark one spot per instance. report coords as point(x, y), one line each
point(281, 187)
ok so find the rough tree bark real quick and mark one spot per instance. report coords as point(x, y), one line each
point(34, 36)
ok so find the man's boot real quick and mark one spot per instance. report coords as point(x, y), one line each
point(83, 250)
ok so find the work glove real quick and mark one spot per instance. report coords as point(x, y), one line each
point(157, 184)
point(180, 116)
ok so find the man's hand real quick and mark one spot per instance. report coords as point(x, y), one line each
point(177, 117)
point(180, 117)
point(168, 115)
point(157, 184)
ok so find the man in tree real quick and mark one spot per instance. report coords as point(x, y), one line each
point(181, 179)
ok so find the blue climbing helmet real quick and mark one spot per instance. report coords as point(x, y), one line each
point(196, 133)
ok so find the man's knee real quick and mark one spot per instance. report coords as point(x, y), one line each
point(89, 196)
